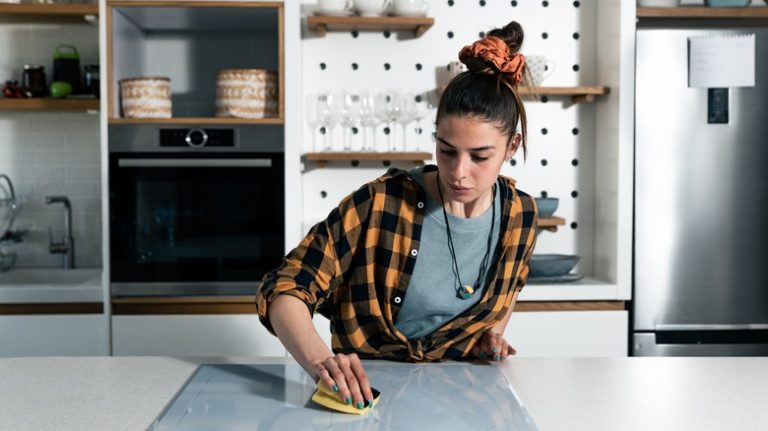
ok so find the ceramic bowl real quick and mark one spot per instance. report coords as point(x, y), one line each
point(546, 206)
point(552, 265)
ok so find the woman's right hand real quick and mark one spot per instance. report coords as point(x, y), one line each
point(344, 374)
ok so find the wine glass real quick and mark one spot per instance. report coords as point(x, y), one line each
point(313, 119)
point(327, 116)
point(349, 111)
point(419, 110)
point(368, 120)
point(407, 114)
point(388, 109)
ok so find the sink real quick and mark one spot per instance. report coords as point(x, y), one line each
point(50, 285)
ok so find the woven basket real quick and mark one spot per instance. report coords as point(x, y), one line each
point(246, 93)
point(146, 97)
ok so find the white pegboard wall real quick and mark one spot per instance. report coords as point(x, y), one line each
point(560, 155)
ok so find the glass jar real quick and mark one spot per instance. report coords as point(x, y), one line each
point(33, 80)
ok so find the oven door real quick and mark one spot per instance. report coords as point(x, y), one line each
point(194, 223)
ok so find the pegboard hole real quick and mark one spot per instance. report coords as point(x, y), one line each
point(545, 3)
point(481, 34)
point(355, 163)
point(544, 99)
point(576, 4)
point(322, 66)
point(450, 35)
point(544, 35)
point(513, 3)
point(544, 162)
point(419, 66)
point(544, 131)
point(355, 66)
point(386, 131)
point(513, 162)
point(355, 130)
point(574, 225)
point(386, 163)
point(482, 2)
point(575, 131)
point(387, 34)
point(575, 162)
point(450, 3)
point(355, 33)
point(322, 130)
point(544, 193)
point(575, 67)
point(574, 194)
point(323, 194)
point(387, 66)
point(576, 35)
point(418, 98)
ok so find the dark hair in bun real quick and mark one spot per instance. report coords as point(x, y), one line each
point(488, 96)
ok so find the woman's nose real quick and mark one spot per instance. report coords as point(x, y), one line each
point(460, 166)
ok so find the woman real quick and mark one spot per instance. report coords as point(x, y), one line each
point(419, 265)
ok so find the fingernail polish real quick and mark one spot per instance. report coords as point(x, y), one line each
point(494, 349)
point(497, 357)
point(369, 403)
point(348, 400)
point(359, 405)
point(335, 388)
point(483, 355)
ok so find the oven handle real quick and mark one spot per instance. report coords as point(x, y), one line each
point(194, 163)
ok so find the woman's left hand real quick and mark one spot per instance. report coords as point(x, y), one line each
point(493, 346)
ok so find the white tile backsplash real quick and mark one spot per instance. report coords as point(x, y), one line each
point(51, 153)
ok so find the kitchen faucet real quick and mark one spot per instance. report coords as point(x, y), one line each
point(67, 246)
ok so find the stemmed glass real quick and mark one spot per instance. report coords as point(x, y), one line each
point(349, 111)
point(327, 116)
point(407, 114)
point(419, 110)
point(389, 110)
point(368, 120)
point(313, 119)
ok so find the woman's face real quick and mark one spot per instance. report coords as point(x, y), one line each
point(470, 153)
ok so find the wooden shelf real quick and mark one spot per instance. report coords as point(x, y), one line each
point(702, 12)
point(322, 24)
point(197, 120)
point(47, 12)
point(550, 223)
point(45, 104)
point(582, 94)
point(323, 158)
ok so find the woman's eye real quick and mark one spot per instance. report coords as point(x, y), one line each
point(479, 159)
point(447, 152)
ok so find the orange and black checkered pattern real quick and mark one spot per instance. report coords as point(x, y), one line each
point(355, 266)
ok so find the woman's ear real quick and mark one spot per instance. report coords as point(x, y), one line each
point(513, 145)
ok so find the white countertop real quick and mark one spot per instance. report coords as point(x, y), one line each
point(127, 393)
point(51, 285)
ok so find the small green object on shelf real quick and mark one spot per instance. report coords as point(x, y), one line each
point(60, 89)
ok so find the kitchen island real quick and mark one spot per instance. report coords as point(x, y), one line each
point(128, 393)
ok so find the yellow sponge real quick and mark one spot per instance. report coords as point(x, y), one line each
point(327, 398)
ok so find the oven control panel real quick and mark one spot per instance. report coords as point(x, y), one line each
point(197, 138)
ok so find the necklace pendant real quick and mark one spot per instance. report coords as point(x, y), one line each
point(466, 291)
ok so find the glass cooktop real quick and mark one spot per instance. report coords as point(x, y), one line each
point(445, 396)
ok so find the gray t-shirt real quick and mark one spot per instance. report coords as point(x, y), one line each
point(431, 299)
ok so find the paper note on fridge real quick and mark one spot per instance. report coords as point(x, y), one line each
point(726, 60)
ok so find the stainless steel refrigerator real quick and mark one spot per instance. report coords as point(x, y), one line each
point(701, 204)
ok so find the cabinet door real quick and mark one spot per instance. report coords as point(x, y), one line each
point(569, 333)
point(193, 335)
point(54, 335)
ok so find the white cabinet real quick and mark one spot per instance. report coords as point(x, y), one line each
point(568, 333)
point(193, 335)
point(54, 335)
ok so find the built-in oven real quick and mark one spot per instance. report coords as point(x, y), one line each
point(194, 211)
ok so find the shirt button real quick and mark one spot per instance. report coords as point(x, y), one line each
point(398, 299)
point(420, 205)
point(414, 252)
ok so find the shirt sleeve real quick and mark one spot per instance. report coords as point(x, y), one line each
point(525, 269)
point(312, 270)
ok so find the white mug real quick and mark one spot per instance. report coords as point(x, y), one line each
point(334, 5)
point(410, 7)
point(371, 7)
point(539, 69)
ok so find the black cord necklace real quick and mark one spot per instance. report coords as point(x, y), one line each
point(465, 291)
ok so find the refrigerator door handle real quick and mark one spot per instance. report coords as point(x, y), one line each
point(734, 327)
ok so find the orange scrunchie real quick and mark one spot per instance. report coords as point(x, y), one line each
point(495, 51)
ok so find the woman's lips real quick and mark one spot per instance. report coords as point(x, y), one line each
point(460, 190)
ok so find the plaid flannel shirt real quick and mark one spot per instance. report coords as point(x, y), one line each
point(354, 268)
